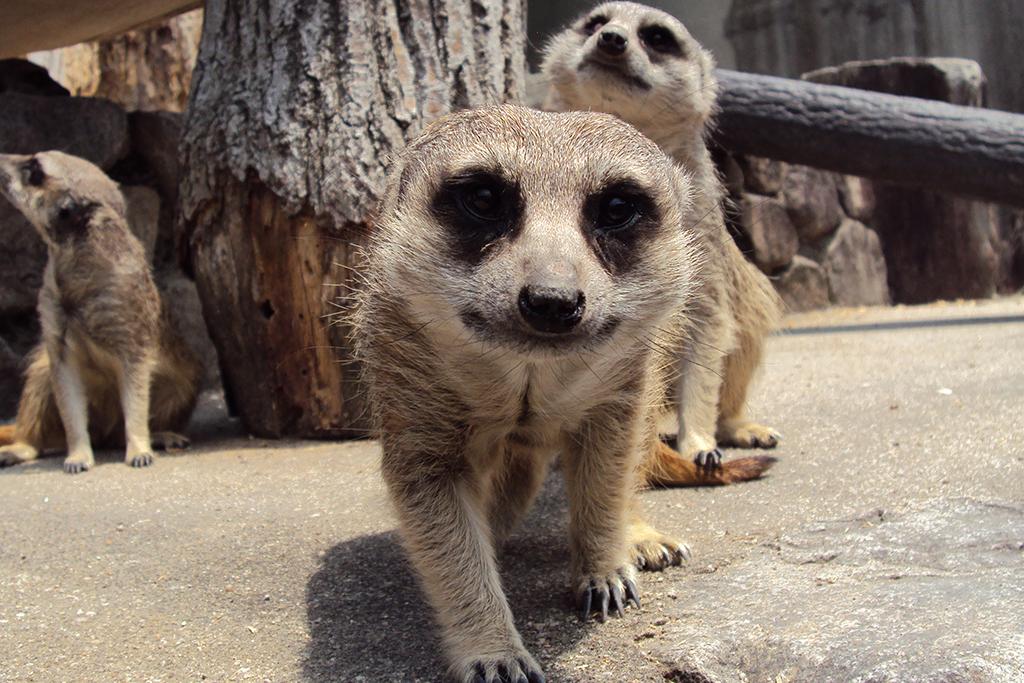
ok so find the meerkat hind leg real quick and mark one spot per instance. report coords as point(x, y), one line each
point(17, 453)
point(69, 391)
point(733, 429)
point(169, 441)
point(697, 392)
point(652, 550)
point(134, 379)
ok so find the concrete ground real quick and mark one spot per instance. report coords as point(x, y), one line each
point(887, 544)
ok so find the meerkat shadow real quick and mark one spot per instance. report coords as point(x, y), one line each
point(369, 620)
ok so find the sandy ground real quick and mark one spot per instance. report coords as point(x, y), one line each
point(887, 544)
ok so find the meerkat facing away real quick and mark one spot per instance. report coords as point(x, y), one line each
point(108, 365)
point(642, 65)
point(522, 282)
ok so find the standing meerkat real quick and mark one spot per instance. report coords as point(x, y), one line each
point(108, 365)
point(643, 66)
point(527, 275)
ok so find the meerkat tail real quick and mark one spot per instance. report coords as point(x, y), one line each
point(666, 467)
point(6, 435)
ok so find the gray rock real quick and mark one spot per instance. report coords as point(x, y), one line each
point(143, 206)
point(957, 81)
point(22, 76)
point(772, 236)
point(928, 593)
point(857, 196)
point(10, 380)
point(22, 260)
point(803, 286)
point(763, 176)
point(155, 136)
point(855, 266)
point(93, 129)
point(181, 299)
point(813, 202)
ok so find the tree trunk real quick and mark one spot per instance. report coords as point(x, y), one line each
point(146, 69)
point(296, 106)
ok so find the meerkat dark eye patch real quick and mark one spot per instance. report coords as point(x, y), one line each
point(616, 220)
point(72, 220)
point(660, 39)
point(480, 207)
point(593, 24)
point(33, 172)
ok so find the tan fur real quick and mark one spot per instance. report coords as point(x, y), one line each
point(738, 307)
point(108, 367)
point(472, 403)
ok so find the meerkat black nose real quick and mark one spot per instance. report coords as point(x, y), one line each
point(551, 309)
point(612, 42)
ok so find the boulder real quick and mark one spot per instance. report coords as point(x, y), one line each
point(803, 286)
point(857, 196)
point(957, 81)
point(96, 130)
point(773, 238)
point(763, 176)
point(143, 206)
point(181, 300)
point(10, 380)
point(22, 260)
point(22, 76)
point(813, 202)
point(855, 266)
point(154, 138)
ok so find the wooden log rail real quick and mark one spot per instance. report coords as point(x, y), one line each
point(941, 147)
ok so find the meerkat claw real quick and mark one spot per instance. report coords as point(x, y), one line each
point(632, 593)
point(604, 595)
point(142, 460)
point(711, 460)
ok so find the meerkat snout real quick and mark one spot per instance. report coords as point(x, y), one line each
point(553, 310)
point(612, 41)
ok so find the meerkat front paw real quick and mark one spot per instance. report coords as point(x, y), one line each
point(597, 593)
point(653, 551)
point(516, 666)
point(170, 441)
point(76, 463)
point(748, 435)
point(711, 459)
point(16, 454)
point(140, 459)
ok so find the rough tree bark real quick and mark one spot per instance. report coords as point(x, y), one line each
point(295, 107)
point(145, 69)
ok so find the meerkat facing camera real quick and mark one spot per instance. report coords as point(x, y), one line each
point(642, 65)
point(526, 271)
point(108, 364)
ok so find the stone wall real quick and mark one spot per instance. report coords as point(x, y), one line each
point(139, 150)
point(792, 37)
point(808, 230)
